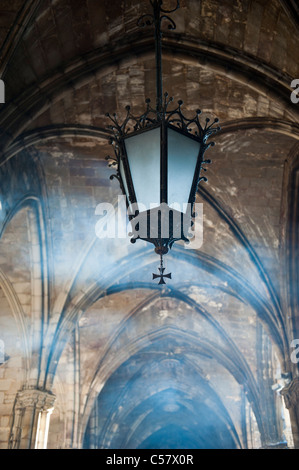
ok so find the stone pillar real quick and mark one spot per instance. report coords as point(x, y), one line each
point(43, 427)
point(291, 398)
point(93, 427)
point(32, 411)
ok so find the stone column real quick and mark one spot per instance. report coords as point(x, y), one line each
point(32, 411)
point(93, 427)
point(291, 398)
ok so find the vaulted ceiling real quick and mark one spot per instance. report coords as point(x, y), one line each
point(86, 319)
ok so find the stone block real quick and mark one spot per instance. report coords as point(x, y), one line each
point(5, 385)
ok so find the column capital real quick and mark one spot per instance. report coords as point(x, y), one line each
point(276, 445)
point(40, 399)
point(291, 393)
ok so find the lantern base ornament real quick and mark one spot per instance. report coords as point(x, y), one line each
point(162, 226)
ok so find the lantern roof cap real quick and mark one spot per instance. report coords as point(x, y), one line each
point(153, 117)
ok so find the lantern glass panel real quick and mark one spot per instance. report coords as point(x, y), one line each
point(143, 152)
point(122, 174)
point(183, 152)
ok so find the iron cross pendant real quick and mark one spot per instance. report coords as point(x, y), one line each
point(162, 276)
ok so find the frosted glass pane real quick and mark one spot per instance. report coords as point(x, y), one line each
point(182, 158)
point(122, 174)
point(143, 152)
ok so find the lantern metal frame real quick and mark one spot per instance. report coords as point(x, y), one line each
point(164, 118)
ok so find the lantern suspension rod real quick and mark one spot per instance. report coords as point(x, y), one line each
point(159, 15)
point(158, 52)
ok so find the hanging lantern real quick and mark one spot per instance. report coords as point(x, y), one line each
point(158, 158)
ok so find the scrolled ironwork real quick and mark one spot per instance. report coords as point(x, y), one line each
point(168, 11)
point(152, 116)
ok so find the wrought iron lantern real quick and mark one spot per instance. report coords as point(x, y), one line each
point(158, 159)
